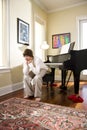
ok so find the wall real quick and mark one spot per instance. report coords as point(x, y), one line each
point(18, 9)
point(41, 16)
point(11, 80)
point(58, 22)
point(63, 22)
point(26, 12)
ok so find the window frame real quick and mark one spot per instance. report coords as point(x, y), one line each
point(79, 42)
point(5, 36)
point(42, 22)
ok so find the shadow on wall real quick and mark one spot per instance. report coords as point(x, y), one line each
point(22, 47)
point(17, 74)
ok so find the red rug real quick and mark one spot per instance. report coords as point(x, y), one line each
point(22, 114)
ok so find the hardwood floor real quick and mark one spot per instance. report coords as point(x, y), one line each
point(56, 96)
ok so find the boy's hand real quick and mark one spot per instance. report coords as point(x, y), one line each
point(28, 62)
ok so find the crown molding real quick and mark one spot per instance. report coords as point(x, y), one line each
point(57, 9)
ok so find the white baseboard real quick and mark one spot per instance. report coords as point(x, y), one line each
point(82, 77)
point(11, 88)
point(58, 78)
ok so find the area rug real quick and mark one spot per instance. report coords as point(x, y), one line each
point(22, 114)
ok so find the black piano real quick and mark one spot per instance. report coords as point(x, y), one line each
point(75, 61)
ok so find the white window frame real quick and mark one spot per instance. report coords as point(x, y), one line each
point(79, 44)
point(5, 36)
point(77, 28)
point(42, 22)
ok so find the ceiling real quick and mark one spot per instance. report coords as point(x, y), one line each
point(55, 5)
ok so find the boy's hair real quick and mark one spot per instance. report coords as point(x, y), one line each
point(28, 52)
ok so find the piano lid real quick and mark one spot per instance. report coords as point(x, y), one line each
point(63, 56)
point(58, 58)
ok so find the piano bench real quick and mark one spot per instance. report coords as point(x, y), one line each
point(49, 78)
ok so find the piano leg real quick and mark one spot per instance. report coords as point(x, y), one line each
point(63, 79)
point(76, 81)
point(53, 78)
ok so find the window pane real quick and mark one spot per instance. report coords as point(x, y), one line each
point(0, 32)
point(83, 37)
point(4, 33)
point(83, 33)
point(39, 38)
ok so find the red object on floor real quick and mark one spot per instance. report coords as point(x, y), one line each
point(71, 96)
point(76, 99)
point(54, 84)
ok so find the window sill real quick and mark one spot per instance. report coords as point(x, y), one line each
point(4, 69)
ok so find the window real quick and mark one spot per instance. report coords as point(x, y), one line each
point(3, 34)
point(39, 37)
point(82, 33)
point(0, 32)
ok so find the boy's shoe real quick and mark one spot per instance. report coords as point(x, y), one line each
point(71, 96)
point(76, 99)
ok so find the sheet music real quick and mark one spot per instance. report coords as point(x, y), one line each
point(65, 48)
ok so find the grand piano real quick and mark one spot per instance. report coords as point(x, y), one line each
point(75, 61)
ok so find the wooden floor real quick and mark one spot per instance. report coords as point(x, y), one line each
point(56, 96)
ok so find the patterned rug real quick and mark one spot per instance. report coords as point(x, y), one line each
point(22, 114)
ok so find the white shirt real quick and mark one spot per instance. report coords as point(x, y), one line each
point(35, 66)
